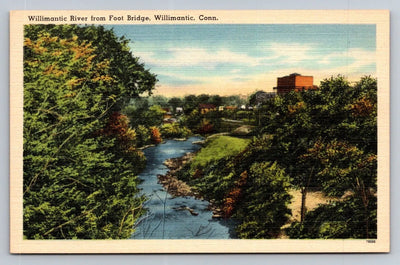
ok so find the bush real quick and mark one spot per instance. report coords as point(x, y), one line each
point(155, 135)
point(174, 130)
point(142, 135)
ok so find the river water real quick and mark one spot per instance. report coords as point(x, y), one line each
point(165, 217)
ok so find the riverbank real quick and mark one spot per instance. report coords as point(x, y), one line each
point(179, 188)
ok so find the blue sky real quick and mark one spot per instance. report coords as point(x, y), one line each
point(240, 59)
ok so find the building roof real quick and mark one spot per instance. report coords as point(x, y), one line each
point(207, 106)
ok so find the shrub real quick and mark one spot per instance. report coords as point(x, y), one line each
point(174, 130)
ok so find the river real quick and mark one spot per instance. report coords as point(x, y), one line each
point(165, 217)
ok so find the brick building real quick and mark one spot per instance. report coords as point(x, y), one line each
point(294, 82)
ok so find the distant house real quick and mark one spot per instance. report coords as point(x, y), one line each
point(167, 114)
point(179, 110)
point(221, 108)
point(294, 82)
point(204, 108)
point(230, 108)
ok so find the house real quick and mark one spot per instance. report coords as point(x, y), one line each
point(167, 115)
point(230, 108)
point(179, 109)
point(294, 82)
point(204, 108)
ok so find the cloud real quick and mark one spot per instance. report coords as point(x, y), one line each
point(356, 58)
point(188, 56)
point(290, 52)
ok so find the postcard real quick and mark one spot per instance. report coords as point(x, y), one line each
point(199, 131)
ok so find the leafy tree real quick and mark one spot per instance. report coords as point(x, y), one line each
point(155, 135)
point(159, 101)
point(265, 199)
point(216, 100)
point(174, 130)
point(345, 168)
point(190, 103)
point(142, 135)
point(348, 221)
point(140, 113)
point(233, 100)
point(175, 102)
point(80, 162)
point(135, 110)
point(192, 120)
point(130, 76)
point(154, 116)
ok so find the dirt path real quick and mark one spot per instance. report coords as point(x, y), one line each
point(312, 201)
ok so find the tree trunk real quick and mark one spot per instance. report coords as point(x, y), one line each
point(303, 204)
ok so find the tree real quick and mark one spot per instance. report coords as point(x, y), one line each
point(155, 135)
point(346, 168)
point(131, 77)
point(175, 102)
point(216, 100)
point(159, 101)
point(264, 208)
point(154, 116)
point(190, 103)
point(80, 162)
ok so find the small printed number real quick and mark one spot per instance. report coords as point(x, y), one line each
point(370, 241)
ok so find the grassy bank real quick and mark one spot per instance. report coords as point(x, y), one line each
point(218, 148)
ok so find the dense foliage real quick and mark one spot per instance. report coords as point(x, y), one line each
point(80, 159)
point(229, 172)
point(263, 209)
point(327, 140)
point(321, 140)
point(174, 130)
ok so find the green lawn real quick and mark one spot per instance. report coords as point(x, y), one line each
point(217, 148)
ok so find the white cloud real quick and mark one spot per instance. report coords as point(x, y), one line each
point(291, 52)
point(274, 53)
point(187, 56)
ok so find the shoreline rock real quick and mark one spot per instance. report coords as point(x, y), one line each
point(146, 146)
point(171, 184)
point(180, 139)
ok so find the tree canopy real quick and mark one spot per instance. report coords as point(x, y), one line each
point(80, 161)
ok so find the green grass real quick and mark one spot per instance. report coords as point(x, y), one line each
point(217, 148)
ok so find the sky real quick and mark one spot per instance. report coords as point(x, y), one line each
point(240, 59)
